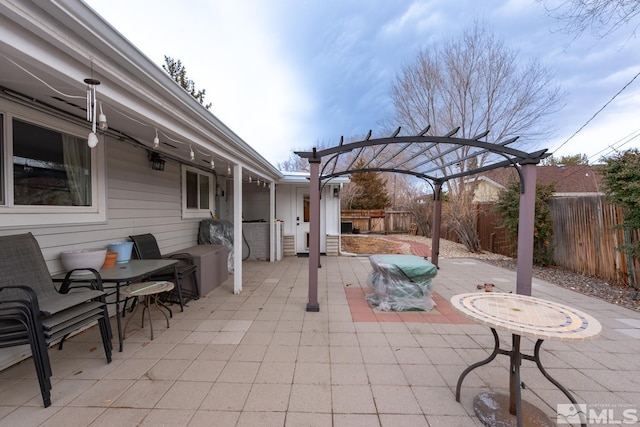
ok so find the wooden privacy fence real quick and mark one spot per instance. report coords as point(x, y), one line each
point(584, 228)
point(493, 237)
point(378, 220)
point(585, 237)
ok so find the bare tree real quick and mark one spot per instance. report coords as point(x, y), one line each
point(477, 83)
point(349, 193)
point(601, 17)
point(294, 163)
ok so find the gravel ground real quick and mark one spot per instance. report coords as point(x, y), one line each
point(622, 295)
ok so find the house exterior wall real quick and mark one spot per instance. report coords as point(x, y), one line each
point(47, 50)
point(139, 200)
point(255, 203)
point(485, 192)
point(286, 211)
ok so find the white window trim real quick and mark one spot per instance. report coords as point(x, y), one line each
point(189, 213)
point(33, 216)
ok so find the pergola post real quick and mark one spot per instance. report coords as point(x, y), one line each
point(314, 233)
point(435, 226)
point(525, 229)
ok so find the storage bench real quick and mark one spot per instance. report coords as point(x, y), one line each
point(211, 261)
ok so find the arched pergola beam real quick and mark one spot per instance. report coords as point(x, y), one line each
point(390, 170)
point(493, 147)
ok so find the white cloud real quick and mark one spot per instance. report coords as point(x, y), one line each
point(414, 13)
point(231, 51)
point(285, 73)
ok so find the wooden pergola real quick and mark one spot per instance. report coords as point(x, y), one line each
point(430, 158)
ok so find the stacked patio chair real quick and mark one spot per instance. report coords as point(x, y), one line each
point(33, 312)
point(146, 247)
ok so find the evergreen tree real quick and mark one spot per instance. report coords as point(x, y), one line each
point(178, 72)
point(569, 160)
point(621, 180)
point(373, 192)
point(508, 205)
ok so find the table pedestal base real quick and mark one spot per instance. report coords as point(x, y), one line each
point(492, 409)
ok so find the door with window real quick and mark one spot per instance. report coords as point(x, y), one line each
point(303, 210)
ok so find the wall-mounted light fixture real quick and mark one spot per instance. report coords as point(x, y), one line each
point(157, 162)
point(336, 192)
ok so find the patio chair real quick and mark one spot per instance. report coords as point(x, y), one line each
point(34, 312)
point(146, 247)
point(17, 327)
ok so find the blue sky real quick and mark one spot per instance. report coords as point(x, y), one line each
point(285, 74)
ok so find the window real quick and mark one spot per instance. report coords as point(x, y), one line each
point(49, 167)
point(48, 174)
point(197, 193)
point(306, 208)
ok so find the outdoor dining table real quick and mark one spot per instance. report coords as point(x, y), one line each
point(132, 271)
point(527, 316)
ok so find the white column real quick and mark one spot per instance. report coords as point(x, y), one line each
point(237, 229)
point(272, 221)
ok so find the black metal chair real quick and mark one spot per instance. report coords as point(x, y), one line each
point(146, 247)
point(34, 312)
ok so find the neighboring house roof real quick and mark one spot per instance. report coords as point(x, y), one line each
point(569, 180)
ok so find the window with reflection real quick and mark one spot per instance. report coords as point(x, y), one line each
point(50, 168)
point(306, 208)
point(197, 191)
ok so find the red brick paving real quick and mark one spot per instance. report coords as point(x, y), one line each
point(442, 313)
point(416, 248)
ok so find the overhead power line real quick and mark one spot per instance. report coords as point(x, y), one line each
point(597, 112)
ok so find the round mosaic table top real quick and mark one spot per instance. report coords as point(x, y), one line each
point(527, 316)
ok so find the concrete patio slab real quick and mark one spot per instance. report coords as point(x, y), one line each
point(258, 358)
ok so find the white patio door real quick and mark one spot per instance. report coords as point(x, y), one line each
point(302, 220)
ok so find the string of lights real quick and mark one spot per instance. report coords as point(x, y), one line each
point(98, 119)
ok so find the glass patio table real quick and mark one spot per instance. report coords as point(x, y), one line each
point(132, 271)
point(520, 315)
